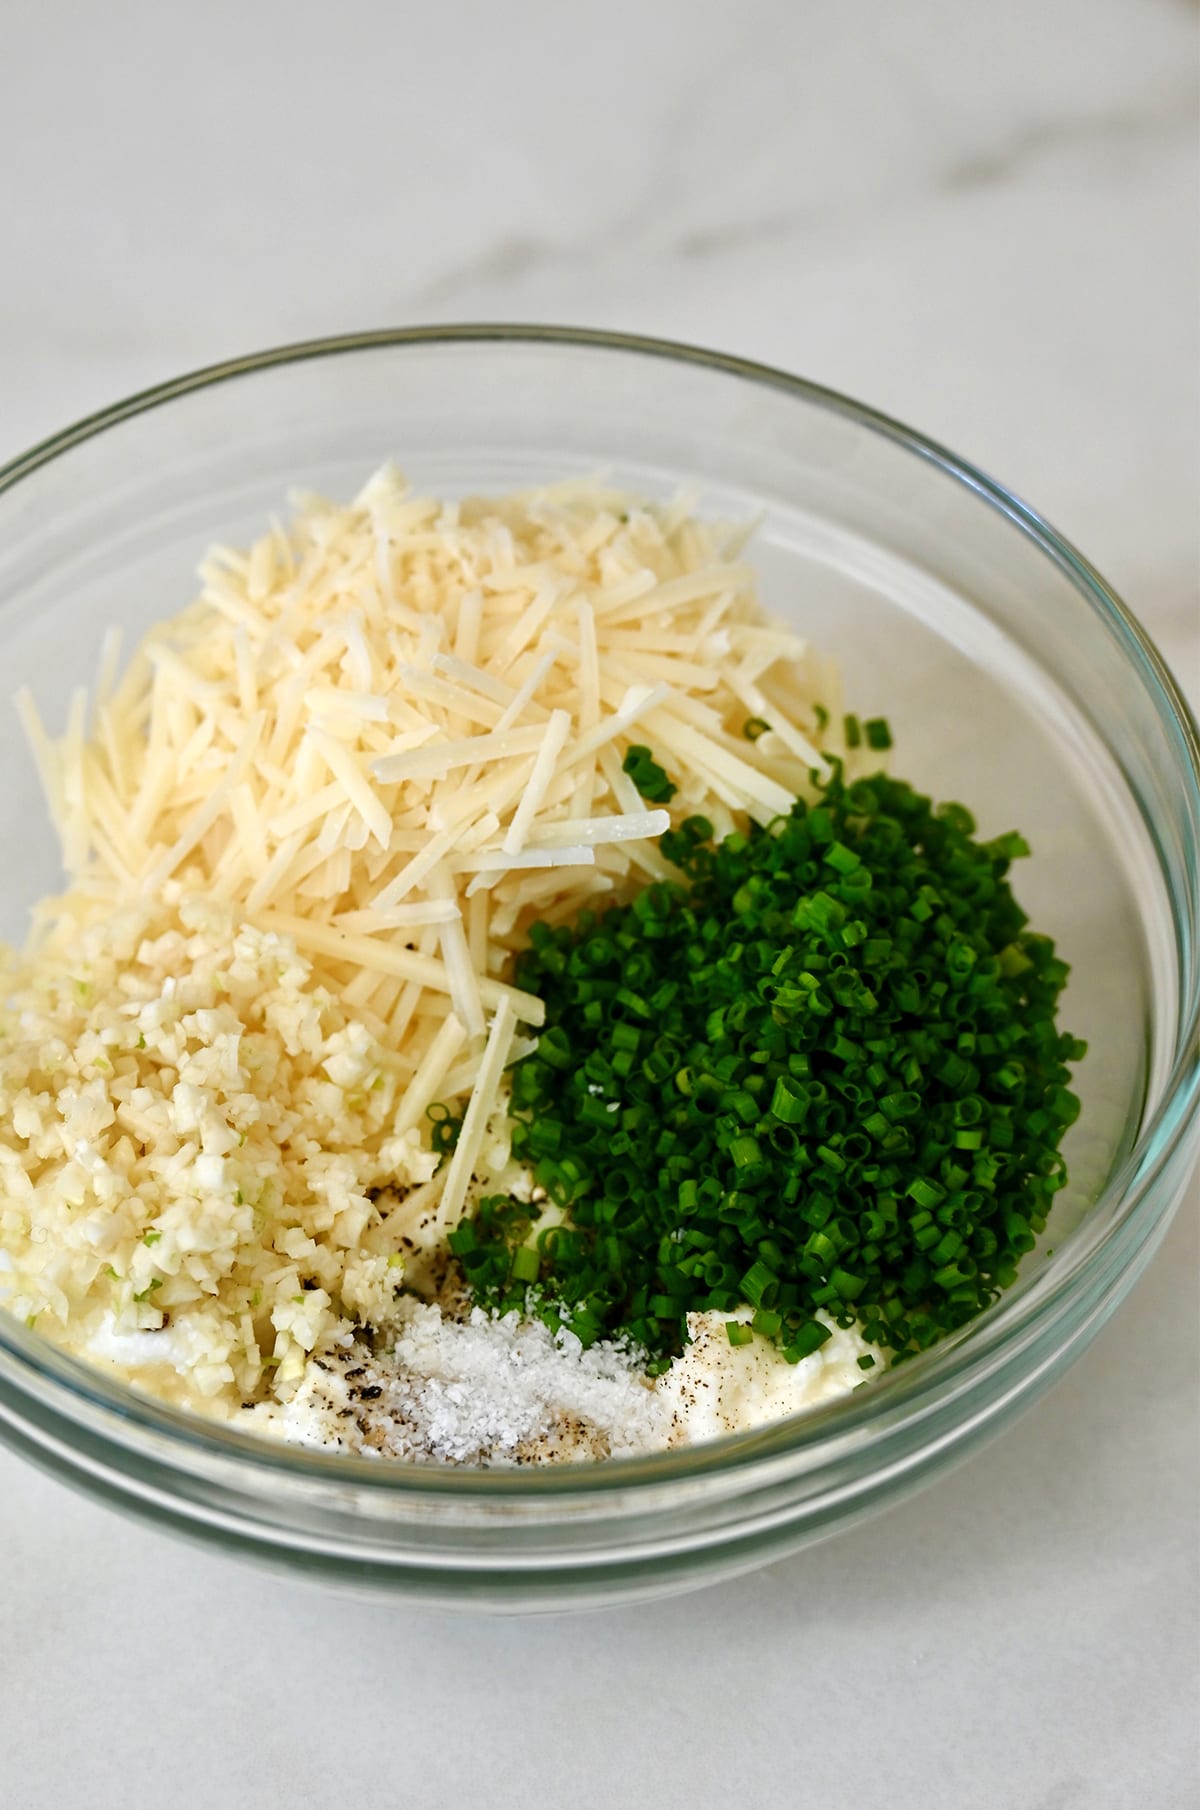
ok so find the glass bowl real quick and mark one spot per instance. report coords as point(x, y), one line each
point(1014, 680)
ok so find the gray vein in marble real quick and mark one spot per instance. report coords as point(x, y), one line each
point(506, 260)
point(518, 256)
point(1046, 137)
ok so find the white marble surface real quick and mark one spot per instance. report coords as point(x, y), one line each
point(982, 219)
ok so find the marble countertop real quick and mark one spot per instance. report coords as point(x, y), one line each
point(984, 221)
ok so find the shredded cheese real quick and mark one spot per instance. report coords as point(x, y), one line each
point(483, 1100)
point(391, 734)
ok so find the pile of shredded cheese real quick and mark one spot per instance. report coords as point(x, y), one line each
point(347, 778)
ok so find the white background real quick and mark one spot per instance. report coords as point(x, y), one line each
point(982, 219)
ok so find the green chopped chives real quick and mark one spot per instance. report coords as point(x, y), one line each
point(745, 1152)
point(646, 774)
point(819, 1071)
point(525, 1264)
point(844, 859)
point(807, 1339)
point(789, 1104)
point(757, 1284)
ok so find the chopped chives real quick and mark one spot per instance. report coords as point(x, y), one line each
point(525, 1264)
point(819, 1069)
point(646, 774)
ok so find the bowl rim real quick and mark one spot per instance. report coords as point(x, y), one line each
point(893, 1400)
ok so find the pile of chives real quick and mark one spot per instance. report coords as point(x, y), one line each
point(822, 1071)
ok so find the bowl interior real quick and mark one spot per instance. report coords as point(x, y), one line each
point(1005, 689)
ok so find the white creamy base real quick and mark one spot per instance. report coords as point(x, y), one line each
point(485, 1391)
point(714, 1388)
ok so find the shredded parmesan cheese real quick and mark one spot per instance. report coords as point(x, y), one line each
point(387, 710)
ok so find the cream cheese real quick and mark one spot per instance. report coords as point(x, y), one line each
point(714, 1388)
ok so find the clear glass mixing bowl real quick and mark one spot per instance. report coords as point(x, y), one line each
point(1014, 680)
